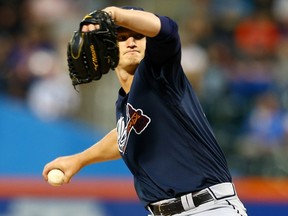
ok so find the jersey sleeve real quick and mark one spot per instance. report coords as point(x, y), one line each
point(165, 45)
point(161, 67)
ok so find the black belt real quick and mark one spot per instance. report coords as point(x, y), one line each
point(176, 207)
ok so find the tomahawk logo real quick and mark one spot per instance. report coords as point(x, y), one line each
point(136, 121)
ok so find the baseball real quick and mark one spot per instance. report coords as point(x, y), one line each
point(55, 177)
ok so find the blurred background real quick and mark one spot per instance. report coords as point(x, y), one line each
point(235, 53)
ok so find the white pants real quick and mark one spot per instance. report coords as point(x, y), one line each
point(225, 203)
point(231, 206)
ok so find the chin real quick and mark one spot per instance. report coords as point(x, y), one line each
point(133, 61)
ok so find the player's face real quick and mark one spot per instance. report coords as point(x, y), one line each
point(131, 49)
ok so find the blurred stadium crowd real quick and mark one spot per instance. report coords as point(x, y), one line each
point(235, 52)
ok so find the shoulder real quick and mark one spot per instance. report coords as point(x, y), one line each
point(165, 45)
point(169, 28)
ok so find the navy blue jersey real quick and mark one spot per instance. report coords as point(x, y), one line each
point(163, 134)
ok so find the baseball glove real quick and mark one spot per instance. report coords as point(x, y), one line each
point(92, 54)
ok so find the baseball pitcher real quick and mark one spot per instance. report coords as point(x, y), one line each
point(161, 133)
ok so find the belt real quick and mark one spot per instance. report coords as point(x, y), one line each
point(192, 200)
point(175, 206)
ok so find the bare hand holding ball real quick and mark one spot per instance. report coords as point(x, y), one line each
point(55, 177)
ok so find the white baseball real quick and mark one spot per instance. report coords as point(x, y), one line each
point(56, 177)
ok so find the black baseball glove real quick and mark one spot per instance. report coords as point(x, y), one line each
point(92, 54)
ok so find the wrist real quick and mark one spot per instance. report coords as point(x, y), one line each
point(111, 12)
point(82, 159)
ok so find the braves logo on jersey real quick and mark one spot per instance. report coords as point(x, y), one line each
point(135, 120)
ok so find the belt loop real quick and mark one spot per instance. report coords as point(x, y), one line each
point(184, 202)
point(187, 201)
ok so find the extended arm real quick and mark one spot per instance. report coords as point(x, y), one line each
point(142, 22)
point(104, 150)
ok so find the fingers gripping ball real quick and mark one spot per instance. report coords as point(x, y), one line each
point(92, 54)
point(55, 177)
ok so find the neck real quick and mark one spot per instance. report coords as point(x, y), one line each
point(125, 79)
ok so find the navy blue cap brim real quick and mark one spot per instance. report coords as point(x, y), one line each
point(132, 8)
